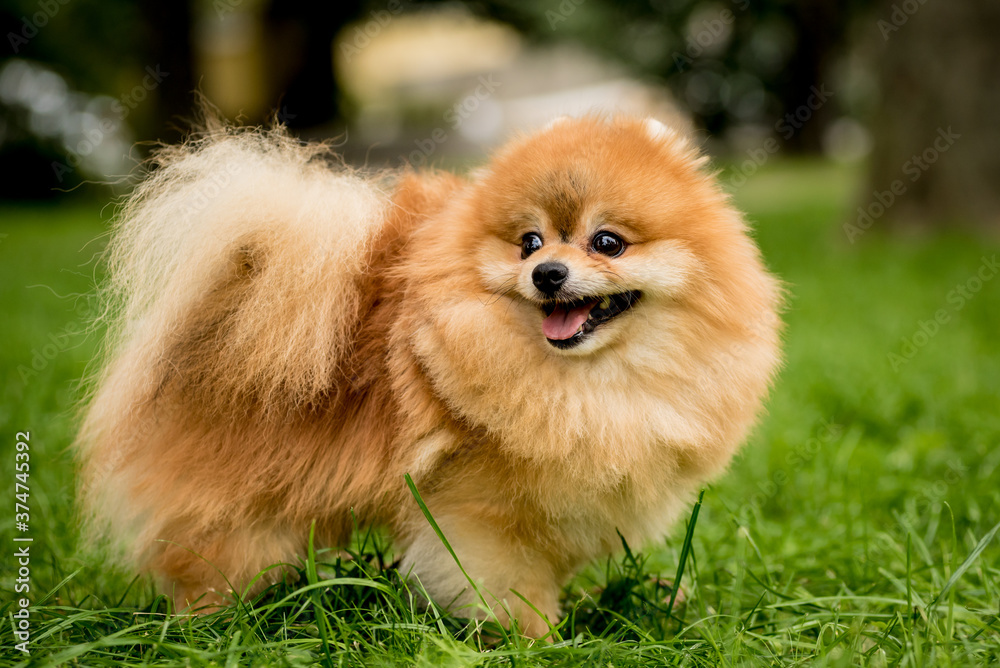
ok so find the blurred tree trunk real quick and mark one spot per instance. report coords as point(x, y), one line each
point(820, 29)
point(167, 35)
point(304, 90)
point(936, 159)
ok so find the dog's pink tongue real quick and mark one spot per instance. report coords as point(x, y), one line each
point(562, 323)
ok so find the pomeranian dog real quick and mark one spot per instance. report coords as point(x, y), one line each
point(561, 347)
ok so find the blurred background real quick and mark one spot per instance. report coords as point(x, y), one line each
point(86, 85)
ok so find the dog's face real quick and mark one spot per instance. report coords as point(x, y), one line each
point(592, 227)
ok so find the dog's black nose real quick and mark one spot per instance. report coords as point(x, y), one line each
point(548, 277)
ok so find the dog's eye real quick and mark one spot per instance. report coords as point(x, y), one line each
point(608, 244)
point(530, 242)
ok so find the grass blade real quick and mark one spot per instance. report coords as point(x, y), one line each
point(440, 534)
point(317, 596)
point(685, 550)
point(969, 560)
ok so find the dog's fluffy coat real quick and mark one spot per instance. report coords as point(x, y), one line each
point(290, 338)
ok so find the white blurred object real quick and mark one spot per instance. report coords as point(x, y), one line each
point(94, 138)
point(847, 140)
point(476, 78)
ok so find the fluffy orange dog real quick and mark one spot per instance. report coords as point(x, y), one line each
point(566, 345)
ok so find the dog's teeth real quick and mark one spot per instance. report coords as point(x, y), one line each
point(604, 304)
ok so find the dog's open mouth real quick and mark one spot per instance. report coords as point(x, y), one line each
point(567, 324)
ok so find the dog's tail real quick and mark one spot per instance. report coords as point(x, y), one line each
point(236, 265)
point(234, 288)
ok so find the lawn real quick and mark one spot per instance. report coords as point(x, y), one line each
point(855, 528)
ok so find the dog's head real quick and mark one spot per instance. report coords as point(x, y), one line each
point(591, 227)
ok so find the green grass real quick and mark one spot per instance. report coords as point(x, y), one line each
point(852, 531)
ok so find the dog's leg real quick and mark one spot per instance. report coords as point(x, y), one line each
point(207, 572)
point(498, 563)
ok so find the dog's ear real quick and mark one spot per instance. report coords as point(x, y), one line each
point(677, 138)
point(658, 131)
point(556, 121)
